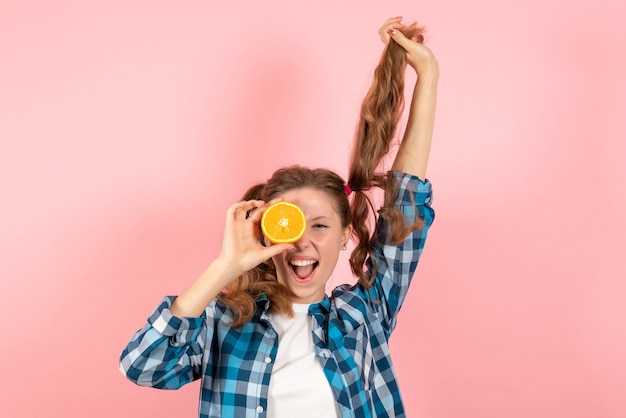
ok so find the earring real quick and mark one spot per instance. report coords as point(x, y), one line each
point(344, 247)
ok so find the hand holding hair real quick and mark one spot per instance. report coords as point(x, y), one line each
point(410, 38)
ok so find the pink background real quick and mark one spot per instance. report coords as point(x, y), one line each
point(127, 129)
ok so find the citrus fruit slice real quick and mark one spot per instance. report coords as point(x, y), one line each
point(283, 223)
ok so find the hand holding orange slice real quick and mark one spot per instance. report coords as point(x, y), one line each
point(283, 223)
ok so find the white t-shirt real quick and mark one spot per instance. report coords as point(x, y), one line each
point(298, 387)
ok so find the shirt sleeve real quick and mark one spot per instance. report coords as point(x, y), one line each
point(396, 264)
point(167, 352)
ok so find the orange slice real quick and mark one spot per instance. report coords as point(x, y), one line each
point(283, 222)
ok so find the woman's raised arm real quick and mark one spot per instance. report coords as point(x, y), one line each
point(412, 157)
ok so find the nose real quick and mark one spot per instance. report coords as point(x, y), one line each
point(303, 242)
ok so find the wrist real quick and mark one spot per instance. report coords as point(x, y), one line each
point(429, 75)
point(427, 81)
point(221, 270)
point(428, 70)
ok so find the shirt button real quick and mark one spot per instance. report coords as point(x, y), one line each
point(259, 409)
point(268, 360)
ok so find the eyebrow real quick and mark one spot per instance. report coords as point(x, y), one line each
point(317, 218)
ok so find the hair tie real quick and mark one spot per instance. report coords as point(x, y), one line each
point(347, 189)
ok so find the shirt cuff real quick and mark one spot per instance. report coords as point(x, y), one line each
point(181, 331)
point(412, 190)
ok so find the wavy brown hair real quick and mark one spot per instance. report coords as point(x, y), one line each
point(380, 112)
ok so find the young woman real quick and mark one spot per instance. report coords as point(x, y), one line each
point(257, 327)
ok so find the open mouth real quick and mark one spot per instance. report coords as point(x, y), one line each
point(303, 269)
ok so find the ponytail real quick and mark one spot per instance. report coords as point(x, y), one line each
point(380, 112)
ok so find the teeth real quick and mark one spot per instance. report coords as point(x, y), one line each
point(302, 263)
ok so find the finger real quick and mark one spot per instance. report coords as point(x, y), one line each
point(240, 210)
point(258, 211)
point(400, 39)
point(384, 31)
point(232, 210)
point(276, 249)
point(386, 26)
point(250, 213)
point(392, 20)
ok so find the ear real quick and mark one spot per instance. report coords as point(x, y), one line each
point(346, 235)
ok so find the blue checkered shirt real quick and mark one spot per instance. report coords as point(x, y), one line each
point(350, 337)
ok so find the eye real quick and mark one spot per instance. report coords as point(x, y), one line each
point(318, 225)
